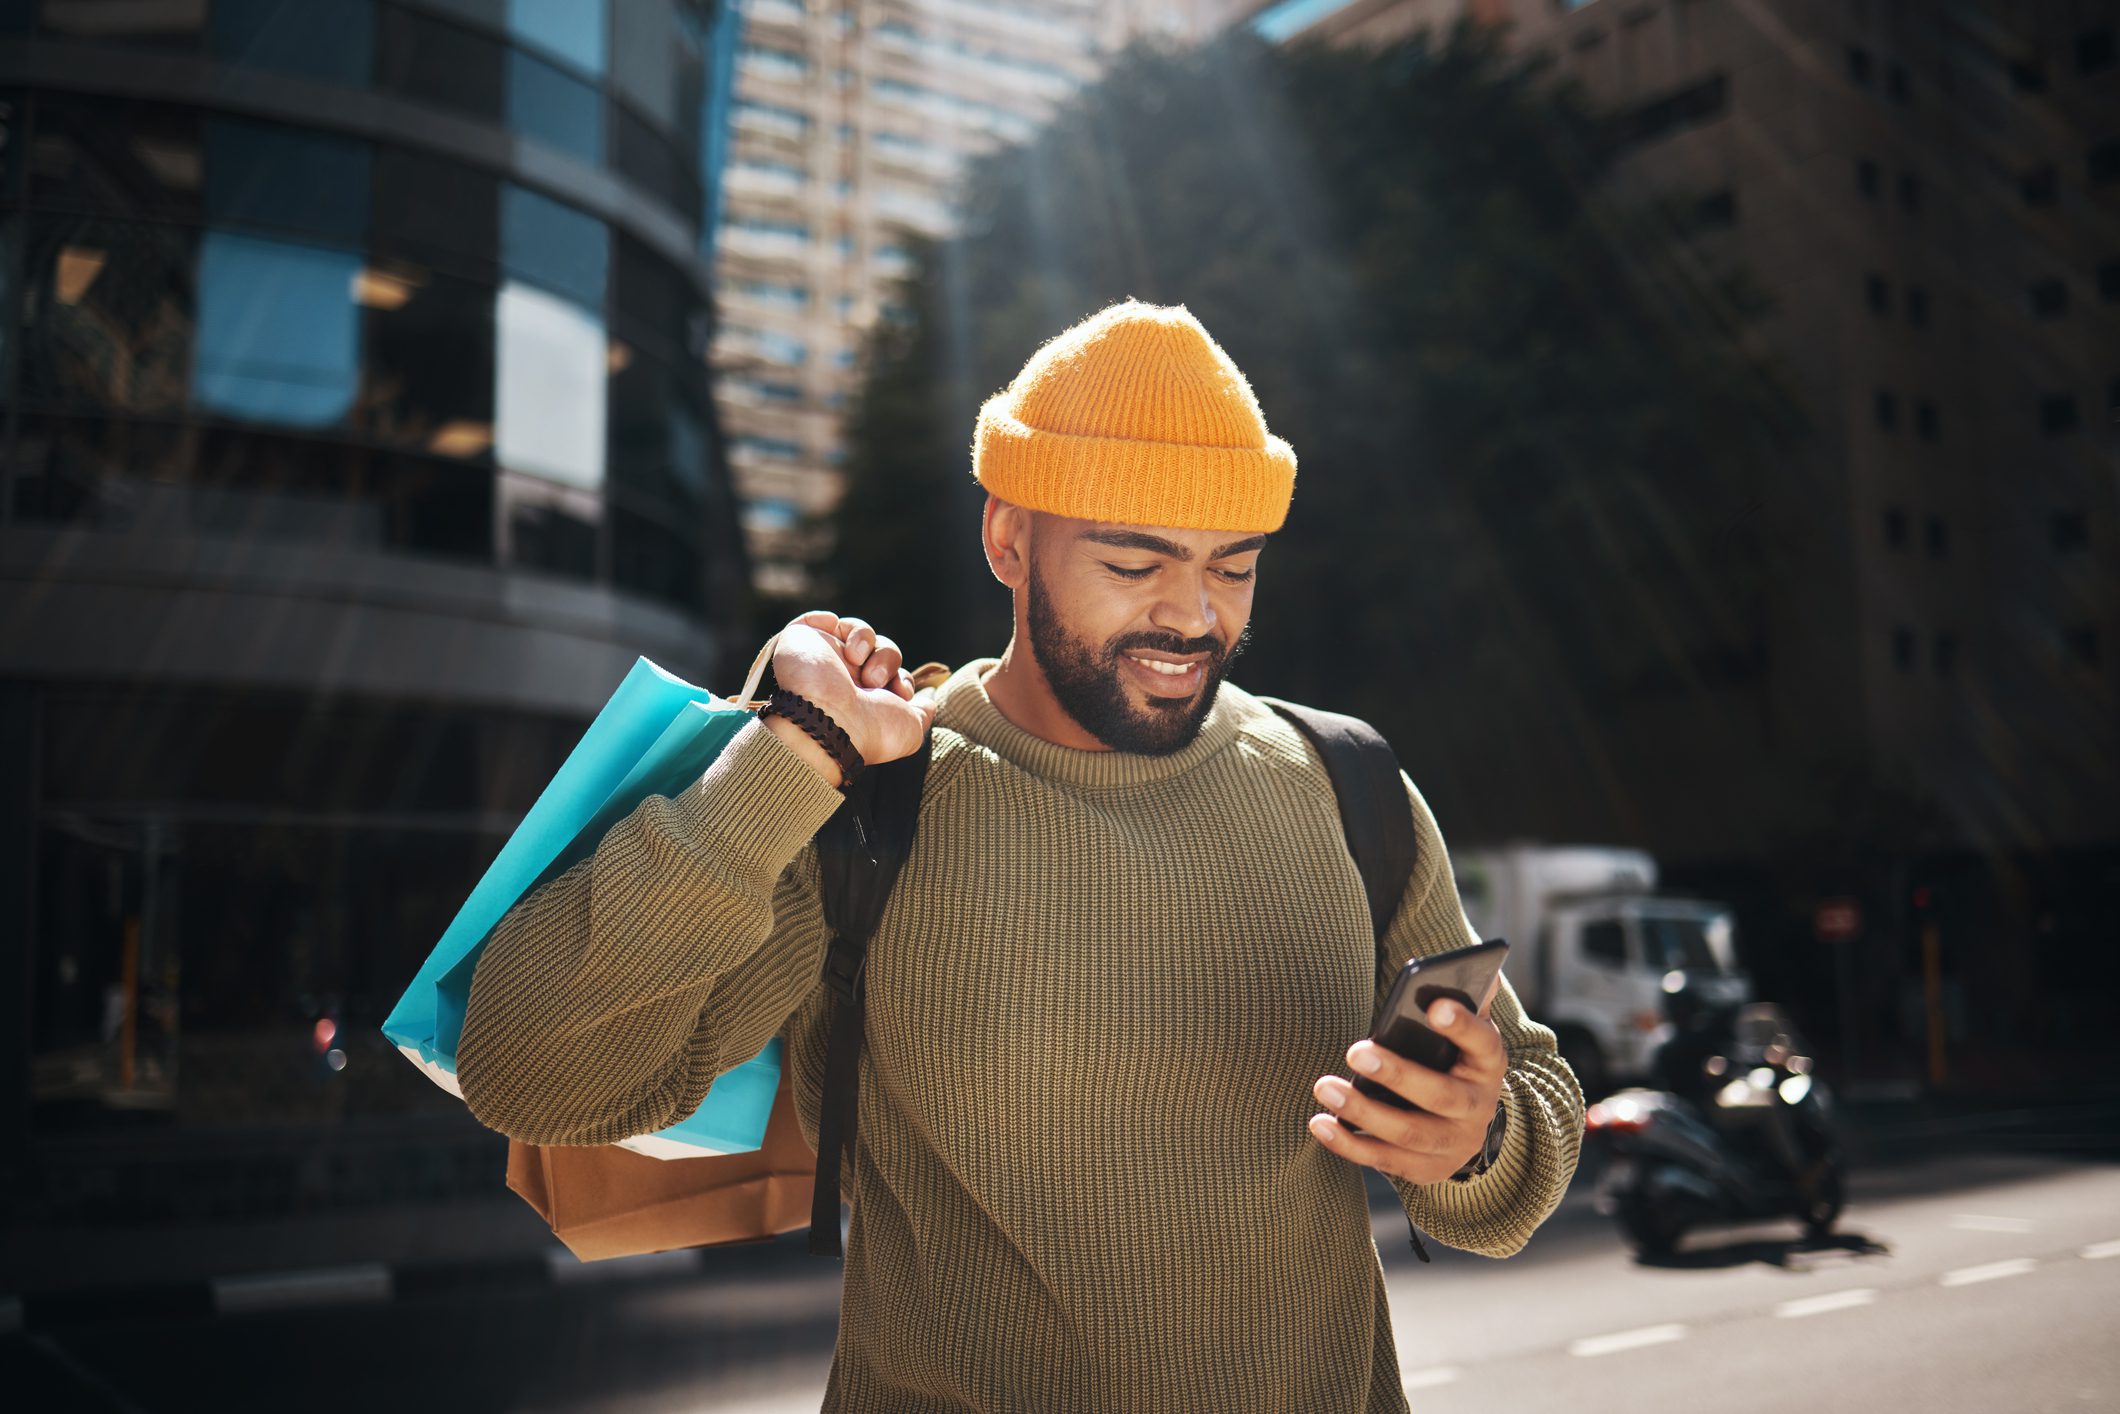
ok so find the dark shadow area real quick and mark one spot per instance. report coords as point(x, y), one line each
point(1770, 1252)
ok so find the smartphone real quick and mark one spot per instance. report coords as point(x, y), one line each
point(1462, 974)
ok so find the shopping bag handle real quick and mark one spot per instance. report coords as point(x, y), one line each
point(926, 675)
point(745, 698)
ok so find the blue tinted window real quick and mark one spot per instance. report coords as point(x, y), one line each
point(569, 29)
point(550, 244)
point(548, 105)
point(278, 336)
point(286, 179)
point(321, 39)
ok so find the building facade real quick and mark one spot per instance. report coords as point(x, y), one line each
point(851, 126)
point(357, 437)
point(1928, 196)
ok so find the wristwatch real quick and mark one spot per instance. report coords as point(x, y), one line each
point(1490, 1151)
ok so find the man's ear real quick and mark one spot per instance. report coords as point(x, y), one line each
point(1005, 529)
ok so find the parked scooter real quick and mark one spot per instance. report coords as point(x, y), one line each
point(1741, 1131)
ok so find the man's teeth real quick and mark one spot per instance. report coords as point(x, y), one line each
point(1174, 669)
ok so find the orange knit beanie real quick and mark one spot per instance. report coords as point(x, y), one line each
point(1135, 415)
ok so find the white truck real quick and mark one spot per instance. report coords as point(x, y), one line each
point(1593, 946)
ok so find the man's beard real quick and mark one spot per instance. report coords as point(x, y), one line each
point(1088, 683)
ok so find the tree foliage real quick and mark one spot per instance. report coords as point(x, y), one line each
point(1532, 516)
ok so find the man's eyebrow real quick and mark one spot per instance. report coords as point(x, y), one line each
point(1157, 545)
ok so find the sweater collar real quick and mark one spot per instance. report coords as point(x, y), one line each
point(962, 705)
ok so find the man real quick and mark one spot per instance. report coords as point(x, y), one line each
point(1122, 965)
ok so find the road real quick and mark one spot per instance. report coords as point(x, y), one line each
point(1967, 1282)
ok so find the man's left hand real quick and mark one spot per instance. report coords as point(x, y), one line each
point(1407, 1144)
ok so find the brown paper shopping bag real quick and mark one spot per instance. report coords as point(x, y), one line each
point(605, 1201)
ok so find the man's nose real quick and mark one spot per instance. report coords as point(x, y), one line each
point(1187, 610)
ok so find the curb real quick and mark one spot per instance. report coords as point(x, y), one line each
point(356, 1284)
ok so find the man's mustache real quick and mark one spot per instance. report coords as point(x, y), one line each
point(1179, 648)
point(1213, 647)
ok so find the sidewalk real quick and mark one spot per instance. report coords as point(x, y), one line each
point(1888, 1128)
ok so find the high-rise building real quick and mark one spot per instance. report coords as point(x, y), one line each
point(852, 123)
point(355, 437)
point(1928, 195)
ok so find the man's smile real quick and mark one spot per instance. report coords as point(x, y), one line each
point(1165, 674)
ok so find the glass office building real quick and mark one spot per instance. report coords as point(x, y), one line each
point(356, 438)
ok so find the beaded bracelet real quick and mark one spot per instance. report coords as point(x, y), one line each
point(821, 728)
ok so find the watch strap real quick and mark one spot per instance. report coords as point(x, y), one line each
point(1490, 1150)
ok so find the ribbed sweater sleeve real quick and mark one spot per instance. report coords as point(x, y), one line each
point(608, 1000)
point(1495, 1214)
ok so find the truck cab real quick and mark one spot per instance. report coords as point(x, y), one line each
point(1594, 948)
point(1609, 963)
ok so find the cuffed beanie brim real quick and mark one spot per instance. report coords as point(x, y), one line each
point(1135, 415)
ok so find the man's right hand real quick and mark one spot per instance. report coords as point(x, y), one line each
point(858, 677)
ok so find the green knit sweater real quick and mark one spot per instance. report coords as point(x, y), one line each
point(1097, 1002)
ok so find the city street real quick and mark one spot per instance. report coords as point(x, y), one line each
point(1972, 1282)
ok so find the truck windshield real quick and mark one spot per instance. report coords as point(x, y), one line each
point(1678, 942)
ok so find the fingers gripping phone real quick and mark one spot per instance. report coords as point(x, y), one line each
point(1463, 975)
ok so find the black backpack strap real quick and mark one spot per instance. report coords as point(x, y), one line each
point(1373, 809)
point(1376, 818)
point(860, 850)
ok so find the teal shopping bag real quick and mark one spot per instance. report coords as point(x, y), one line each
point(655, 736)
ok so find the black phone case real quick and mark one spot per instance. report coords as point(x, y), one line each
point(1402, 1030)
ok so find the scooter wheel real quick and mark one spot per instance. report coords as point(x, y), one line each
point(1823, 1208)
point(1652, 1230)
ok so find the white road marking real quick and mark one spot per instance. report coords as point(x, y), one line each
point(1988, 1271)
point(1981, 1222)
point(2103, 1249)
point(1626, 1340)
point(1432, 1376)
point(1831, 1301)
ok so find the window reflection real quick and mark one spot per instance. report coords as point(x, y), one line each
point(286, 179)
point(572, 30)
point(655, 559)
point(554, 107)
point(435, 61)
point(549, 243)
point(644, 156)
point(114, 157)
point(333, 40)
point(656, 302)
point(548, 527)
point(658, 438)
point(97, 470)
point(428, 379)
point(161, 477)
point(278, 332)
point(107, 314)
point(549, 361)
point(198, 952)
point(246, 328)
point(437, 212)
point(657, 64)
